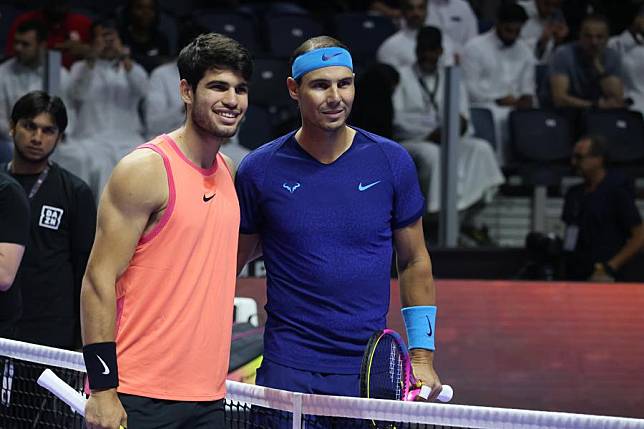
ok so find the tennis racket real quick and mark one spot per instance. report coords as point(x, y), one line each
point(66, 393)
point(386, 371)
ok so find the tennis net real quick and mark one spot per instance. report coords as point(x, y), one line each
point(27, 405)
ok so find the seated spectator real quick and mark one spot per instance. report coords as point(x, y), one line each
point(545, 28)
point(418, 112)
point(24, 72)
point(455, 19)
point(499, 70)
point(14, 233)
point(373, 110)
point(603, 226)
point(67, 31)
point(399, 49)
point(630, 45)
point(140, 32)
point(106, 90)
point(62, 225)
point(587, 73)
point(163, 108)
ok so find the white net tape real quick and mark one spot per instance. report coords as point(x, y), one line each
point(427, 413)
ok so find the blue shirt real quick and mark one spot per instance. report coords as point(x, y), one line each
point(326, 233)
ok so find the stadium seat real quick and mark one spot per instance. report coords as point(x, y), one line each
point(234, 25)
point(363, 33)
point(287, 31)
point(542, 144)
point(256, 129)
point(268, 86)
point(6, 150)
point(483, 124)
point(624, 130)
point(8, 13)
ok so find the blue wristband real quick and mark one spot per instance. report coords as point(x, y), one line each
point(420, 322)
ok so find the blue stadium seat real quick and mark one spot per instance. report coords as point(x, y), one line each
point(542, 144)
point(363, 33)
point(256, 129)
point(6, 150)
point(234, 25)
point(268, 86)
point(8, 13)
point(483, 124)
point(624, 130)
point(287, 31)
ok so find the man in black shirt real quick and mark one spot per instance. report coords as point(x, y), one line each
point(63, 218)
point(14, 232)
point(603, 226)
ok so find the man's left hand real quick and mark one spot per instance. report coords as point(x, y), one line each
point(422, 362)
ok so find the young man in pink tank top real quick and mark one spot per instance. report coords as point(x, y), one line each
point(157, 296)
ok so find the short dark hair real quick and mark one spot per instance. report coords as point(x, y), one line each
point(511, 12)
point(598, 145)
point(213, 51)
point(34, 103)
point(312, 44)
point(429, 37)
point(34, 25)
point(107, 22)
point(595, 17)
point(406, 4)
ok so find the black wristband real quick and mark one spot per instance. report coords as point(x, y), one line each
point(100, 362)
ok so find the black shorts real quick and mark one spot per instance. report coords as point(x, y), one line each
point(144, 413)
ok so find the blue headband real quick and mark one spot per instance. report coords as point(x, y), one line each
point(319, 58)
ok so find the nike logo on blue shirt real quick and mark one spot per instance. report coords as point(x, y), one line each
point(365, 187)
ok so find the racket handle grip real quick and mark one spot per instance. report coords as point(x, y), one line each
point(445, 396)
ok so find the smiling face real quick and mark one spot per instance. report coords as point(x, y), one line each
point(36, 138)
point(325, 97)
point(219, 102)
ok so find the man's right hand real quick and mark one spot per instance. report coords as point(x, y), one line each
point(104, 411)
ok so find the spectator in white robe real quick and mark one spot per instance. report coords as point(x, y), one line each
point(418, 113)
point(455, 19)
point(545, 28)
point(25, 71)
point(630, 45)
point(499, 72)
point(106, 91)
point(399, 49)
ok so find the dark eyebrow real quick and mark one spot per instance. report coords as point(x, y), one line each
point(217, 82)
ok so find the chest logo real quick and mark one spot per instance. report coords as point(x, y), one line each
point(362, 187)
point(291, 188)
point(50, 217)
point(208, 198)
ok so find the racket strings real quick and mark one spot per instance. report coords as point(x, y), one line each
point(386, 370)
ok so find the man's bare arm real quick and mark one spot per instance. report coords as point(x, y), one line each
point(250, 248)
point(417, 289)
point(135, 193)
point(10, 257)
point(559, 86)
point(634, 244)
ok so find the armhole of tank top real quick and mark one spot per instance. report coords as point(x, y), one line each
point(223, 160)
point(171, 195)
